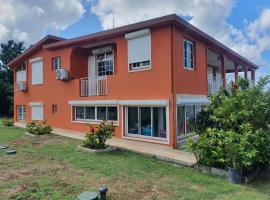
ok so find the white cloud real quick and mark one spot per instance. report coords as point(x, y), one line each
point(208, 15)
point(29, 20)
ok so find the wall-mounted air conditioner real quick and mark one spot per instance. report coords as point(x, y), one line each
point(21, 86)
point(62, 74)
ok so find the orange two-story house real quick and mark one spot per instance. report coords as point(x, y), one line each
point(149, 78)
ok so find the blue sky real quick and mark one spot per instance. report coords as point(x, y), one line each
point(243, 25)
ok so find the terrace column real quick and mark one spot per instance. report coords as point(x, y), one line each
point(235, 72)
point(223, 69)
point(245, 71)
point(253, 75)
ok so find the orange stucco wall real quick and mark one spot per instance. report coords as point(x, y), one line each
point(123, 85)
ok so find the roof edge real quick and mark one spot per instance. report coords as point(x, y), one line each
point(33, 49)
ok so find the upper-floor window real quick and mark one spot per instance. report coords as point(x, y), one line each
point(188, 48)
point(104, 63)
point(37, 71)
point(21, 73)
point(139, 50)
point(56, 63)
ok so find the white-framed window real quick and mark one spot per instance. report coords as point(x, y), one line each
point(21, 73)
point(146, 122)
point(105, 63)
point(139, 50)
point(95, 113)
point(185, 113)
point(57, 63)
point(37, 71)
point(188, 49)
point(37, 112)
point(21, 112)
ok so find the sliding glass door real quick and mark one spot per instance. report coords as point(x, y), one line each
point(146, 122)
point(185, 113)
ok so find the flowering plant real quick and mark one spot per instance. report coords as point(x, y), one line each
point(97, 137)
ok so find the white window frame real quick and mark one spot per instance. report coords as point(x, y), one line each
point(84, 120)
point(33, 61)
point(41, 107)
point(57, 63)
point(21, 112)
point(104, 50)
point(139, 135)
point(192, 60)
point(185, 115)
point(97, 61)
point(143, 65)
point(21, 74)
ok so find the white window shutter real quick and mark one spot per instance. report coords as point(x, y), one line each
point(37, 112)
point(139, 49)
point(37, 72)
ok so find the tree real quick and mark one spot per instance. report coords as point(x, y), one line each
point(235, 128)
point(8, 52)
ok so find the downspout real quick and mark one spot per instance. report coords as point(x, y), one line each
point(172, 86)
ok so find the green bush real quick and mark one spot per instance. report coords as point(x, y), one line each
point(7, 122)
point(96, 138)
point(235, 128)
point(38, 128)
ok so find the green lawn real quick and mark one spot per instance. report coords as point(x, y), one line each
point(49, 167)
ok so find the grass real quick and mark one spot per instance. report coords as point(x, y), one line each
point(49, 167)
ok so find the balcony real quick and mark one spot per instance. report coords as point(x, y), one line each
point(96, 86)
point(214, 85)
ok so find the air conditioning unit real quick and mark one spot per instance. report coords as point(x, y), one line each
point(21, 86)
point(62, 74)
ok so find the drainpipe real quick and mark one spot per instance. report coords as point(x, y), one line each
point(172, 88)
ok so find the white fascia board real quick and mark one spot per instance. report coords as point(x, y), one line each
point(93, 102)
point(191, 99)
point(35, 104)
point(158, 102)
point(137, 34)
point(35, 59)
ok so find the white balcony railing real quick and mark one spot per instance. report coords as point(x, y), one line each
point(214, 85)
point(96, 86)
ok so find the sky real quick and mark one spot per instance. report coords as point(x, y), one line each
point(243, 25)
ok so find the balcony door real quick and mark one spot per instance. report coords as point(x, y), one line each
point(92, 85)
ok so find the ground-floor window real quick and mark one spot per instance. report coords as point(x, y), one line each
point(37, 112)
point(146, 121)
point(95, 113)
point(185, 114)
point(21, 112)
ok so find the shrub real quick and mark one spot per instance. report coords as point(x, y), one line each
point(7, 122)
point(97, 137)
point(209, 150)
point(234, 129)
point(39, 128)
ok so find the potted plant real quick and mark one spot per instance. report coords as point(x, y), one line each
point(234, 164)
point(241, 150)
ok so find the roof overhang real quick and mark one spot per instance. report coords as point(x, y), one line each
point(173, 20)
point(32, 49)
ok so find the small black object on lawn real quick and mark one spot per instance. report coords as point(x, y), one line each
point(11, 152)
point(87, 196)
point(2, 146)
point(103, 193)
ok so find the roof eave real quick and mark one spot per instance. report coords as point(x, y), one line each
point(32, 49)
